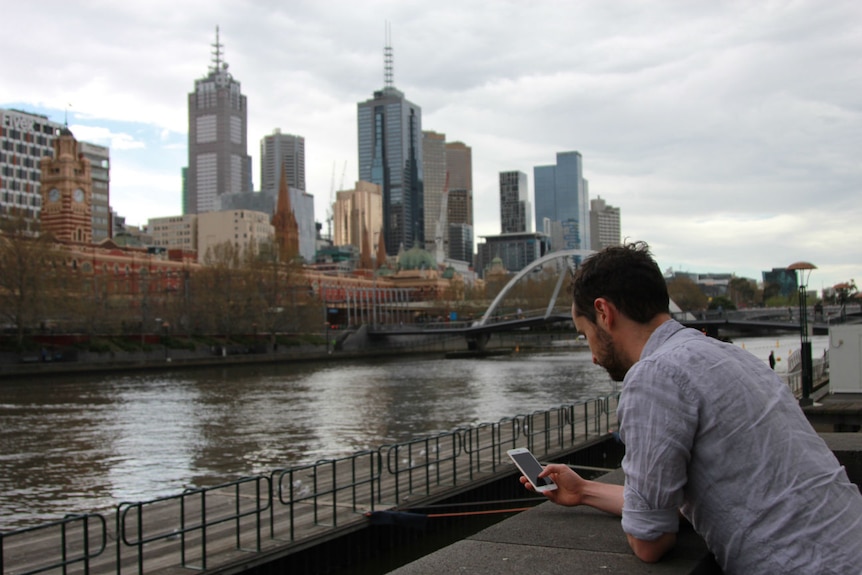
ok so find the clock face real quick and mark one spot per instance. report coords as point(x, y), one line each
point(54, 195)
point(78, 194)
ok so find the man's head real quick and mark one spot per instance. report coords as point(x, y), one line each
point(626, 276)
point(616, 294)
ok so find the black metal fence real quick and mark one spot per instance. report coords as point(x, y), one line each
point(203, 528)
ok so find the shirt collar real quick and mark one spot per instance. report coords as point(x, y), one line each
point(661, 334)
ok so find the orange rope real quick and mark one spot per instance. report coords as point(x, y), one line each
point(486, 512)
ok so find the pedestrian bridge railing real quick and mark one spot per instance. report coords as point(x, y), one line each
point(203, 528)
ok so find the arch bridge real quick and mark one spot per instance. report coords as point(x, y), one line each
point(553, 270)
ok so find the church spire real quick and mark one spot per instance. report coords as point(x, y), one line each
point(284, 222)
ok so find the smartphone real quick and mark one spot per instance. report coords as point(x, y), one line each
point(531, 468)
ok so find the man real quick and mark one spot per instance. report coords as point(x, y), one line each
point(710, 432)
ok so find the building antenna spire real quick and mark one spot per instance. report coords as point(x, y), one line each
point(387, 59)
point(216, 53)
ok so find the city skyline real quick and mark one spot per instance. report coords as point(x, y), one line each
point(726, 134)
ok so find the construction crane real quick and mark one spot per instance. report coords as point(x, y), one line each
point(331, 207)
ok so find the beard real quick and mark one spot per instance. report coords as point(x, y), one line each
point(608, 357)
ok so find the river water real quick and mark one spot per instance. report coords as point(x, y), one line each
point(85, 443)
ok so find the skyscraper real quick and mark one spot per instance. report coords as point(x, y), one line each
point(100, 168)
point(218, 124)
point(561, 196)
point(459, 165)
point(390, 155)
point(282, 152)
point(434, 187)
point(24, 139)
point(515, 210)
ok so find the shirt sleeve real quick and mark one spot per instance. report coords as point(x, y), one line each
point(658, 421)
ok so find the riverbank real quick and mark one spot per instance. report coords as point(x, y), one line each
point(155, 356)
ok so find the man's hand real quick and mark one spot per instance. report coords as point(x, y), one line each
point(569, 491)
point(572, 489)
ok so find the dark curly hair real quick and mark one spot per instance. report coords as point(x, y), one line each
point(627, 276)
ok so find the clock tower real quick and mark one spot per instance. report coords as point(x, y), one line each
point(67, 192)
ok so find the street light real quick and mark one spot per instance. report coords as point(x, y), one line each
point(805, 343)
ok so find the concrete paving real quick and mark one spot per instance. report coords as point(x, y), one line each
point(553, 539)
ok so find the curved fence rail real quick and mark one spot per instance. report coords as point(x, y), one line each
point(203, 528)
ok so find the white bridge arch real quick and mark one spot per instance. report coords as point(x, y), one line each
point(564, 260)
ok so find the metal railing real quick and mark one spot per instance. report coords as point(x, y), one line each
point(793, 376)
point(204, 527)
point(73, 536)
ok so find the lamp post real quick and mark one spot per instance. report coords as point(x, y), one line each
point(805, 343)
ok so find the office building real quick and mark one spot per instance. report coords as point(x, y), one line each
point(100, 169)
point(459, 165)
point(604, 224)
point(24, 140)
point(434, 186)
point(516, 250)
point(357, 213)
point(218, 123)
point(561, 195)
point(174, 232)
point(390, 155)
point(516, 213)
point(255, 201)
point(282, 152)
point(245, 229)
point(461, 243)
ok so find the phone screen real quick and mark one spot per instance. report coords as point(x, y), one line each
point(531, 468)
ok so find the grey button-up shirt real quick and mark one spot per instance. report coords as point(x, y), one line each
point(712, 431)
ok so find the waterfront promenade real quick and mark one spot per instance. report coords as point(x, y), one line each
point(554, 539)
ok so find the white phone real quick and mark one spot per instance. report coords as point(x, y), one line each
point(531, 468)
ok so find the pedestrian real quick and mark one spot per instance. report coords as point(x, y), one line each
point(710, 433)
point(771, 359)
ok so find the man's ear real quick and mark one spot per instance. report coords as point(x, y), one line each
point(606, 313)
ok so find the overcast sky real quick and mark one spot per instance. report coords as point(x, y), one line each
point(728, 133)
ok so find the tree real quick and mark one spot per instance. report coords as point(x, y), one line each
point(743, 292)
point(843, 293)
point(686, 294)
point(30, 267)
point(722, 302)
point(216, 291)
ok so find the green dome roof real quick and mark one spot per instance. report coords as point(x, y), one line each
point(417, 259)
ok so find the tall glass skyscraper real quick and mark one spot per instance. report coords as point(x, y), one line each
point(390, 155)
point(218, 124)
point(561, 197)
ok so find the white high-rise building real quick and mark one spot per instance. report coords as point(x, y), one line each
point(24, 139)
point(604, 224)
